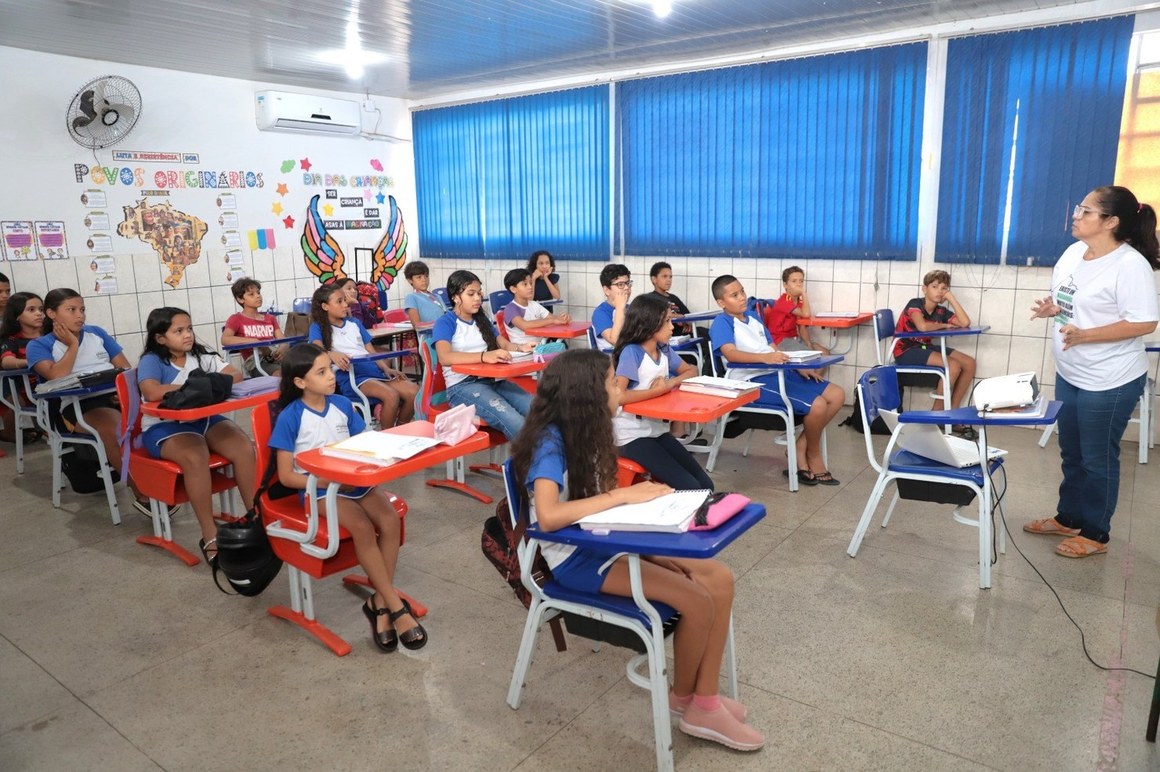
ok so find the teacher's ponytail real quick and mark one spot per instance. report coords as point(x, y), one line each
point(1137, 221)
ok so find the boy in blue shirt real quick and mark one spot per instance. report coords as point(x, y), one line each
point(422, 305)
point(608, 317)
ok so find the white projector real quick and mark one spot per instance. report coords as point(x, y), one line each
point(1006, 391)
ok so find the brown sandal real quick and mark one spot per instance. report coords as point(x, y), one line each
point(1049, 526)
point(1080, 547)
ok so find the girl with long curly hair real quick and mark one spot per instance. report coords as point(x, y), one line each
point(566, 460)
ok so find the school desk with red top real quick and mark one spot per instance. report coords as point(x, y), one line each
point(569, 330)
point(694, 408)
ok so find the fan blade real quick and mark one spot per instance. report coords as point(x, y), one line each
point(117, 115)
point(85, 105)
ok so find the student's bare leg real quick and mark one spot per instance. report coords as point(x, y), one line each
point(407, 391)
point(935, 360)
point(696, 605)
point(380, 511)
point(385, 395)
point(226, 439)
point(966, 375)
point(717, 579)
point(822, 411)
point(191, 453)
point(354, 518)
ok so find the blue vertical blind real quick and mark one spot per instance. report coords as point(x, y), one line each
point(501, 179)
point(815, 157)
point(1064, 86)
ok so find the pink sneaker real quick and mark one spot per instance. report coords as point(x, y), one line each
point(735, 708)
point(721, 727)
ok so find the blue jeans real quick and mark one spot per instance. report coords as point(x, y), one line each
point(1091, 425)
point(501, 403)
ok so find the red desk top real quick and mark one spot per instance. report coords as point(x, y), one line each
point(836, 322)
point(194, 413)
point(502, 371)
point(346, 472)
point(569, 330)
point(680, 405)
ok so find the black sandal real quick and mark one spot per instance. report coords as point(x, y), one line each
point(825, 478)
point(416, 637)
point(205, 547)
point(806, 478)
point(388, 640)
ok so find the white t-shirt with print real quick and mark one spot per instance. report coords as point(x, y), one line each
point(531, 313)
point(1120, 286)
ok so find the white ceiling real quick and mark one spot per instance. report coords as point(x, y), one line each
point(437, 47)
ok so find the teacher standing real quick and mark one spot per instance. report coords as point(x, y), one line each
point(1103, 300)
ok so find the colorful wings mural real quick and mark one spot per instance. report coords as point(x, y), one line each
point(391, 252)
point(323, 255)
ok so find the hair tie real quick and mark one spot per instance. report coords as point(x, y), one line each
point(1139, 208)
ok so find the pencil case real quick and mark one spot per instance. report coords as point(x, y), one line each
point(717, 509)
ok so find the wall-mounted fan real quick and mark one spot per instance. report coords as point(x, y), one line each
point(103, 112)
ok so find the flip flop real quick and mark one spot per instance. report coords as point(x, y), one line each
point(825, 478)
point(1080, 547)
point(1049, 526)
point(808, 478)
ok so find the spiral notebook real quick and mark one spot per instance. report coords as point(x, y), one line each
point(671, 513)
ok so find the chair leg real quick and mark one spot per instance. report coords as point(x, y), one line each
point(730, 663)
point(455, 481)
point(1145, 421)
point(659, 694)
point(1047, 432)
point(1154, 713)
point(162, 537)
point(718, 438)
point(867, 515)
point(791, 457)
point(524, 656)
point(984, 545)
point(19, 437)
point(748, 442)
point(57, 473)
point(301, 613)
point(890, 509)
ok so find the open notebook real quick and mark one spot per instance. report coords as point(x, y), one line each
point(671, 513)
point(382, 448)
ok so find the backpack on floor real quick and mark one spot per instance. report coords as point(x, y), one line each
point(82, 467)
point(854, 420)
point(500, 542)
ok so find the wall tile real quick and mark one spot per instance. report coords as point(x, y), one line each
point(99, 311)
point(996, 310)
point(848, 270)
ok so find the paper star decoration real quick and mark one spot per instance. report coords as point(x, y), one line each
point(367, 194)
point(380, 197)
point(277, 207)
point(288, 221)
point(305, 162)
point(328, 210)
point(282, 189)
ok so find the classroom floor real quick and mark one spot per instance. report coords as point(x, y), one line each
point(117, 656)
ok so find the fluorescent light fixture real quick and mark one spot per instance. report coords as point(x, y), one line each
point(352, 58)
point(662, 8)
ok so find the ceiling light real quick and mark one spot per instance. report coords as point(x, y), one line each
point(662, 8)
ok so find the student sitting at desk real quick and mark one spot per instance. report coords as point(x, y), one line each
point(465, 335)
point(608, 317)
point(927, 314)
point(523, 313)
point(171, 353)
point(421, 305)
point(69, 346)
point(23, 320)
point(564, 459)
point(738, 336)
point(542, 267)
point(311, 415)
point(5, 292)
point(782, 317)
point(251, 325)
point(645, 368)
point(661, 276)
point(343, 337)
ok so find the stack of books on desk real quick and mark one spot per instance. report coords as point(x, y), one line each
point(381, 448)
point(671, 513)
point(802, 356)
point(835, 314)
point(718, 387)
point(79, 380)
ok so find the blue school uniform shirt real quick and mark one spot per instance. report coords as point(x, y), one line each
point(151, 367)
point(299, 428)
point(601, 321)
point(463, 336)
point(96, 350)
point(550, 463)
point(428, 304)
point(349, 338)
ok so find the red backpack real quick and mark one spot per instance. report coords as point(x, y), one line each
point(368, 295)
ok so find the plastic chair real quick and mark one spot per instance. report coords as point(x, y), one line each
point(646, 624)
point(878, 390)
point(443, 295)
point(499, 300)
point(162, 481)
point(362, 403)
point(431, 401)
point(16, 393)
point(921, 375)
point(311, 546)
point(788, 418)
point(499, 325)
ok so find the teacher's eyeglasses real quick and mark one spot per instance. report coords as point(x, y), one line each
point(1082, 211)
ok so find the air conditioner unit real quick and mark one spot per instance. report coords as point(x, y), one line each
point(283, 111)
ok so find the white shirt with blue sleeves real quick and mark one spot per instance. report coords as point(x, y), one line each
point(602, 317)
point(549, 462)
point(463, 336)
point(152, 368)
point(300, 428)
point(749, 335)
point(95, 351)
point(641, 370)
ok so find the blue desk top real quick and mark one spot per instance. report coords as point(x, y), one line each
point(969, 416)
point(813, 364)
point(698, 316)
point(691, 544)
point(403, 352)
point(86, 391)
point(15, 373)
point(947, 333)
point(276, 342)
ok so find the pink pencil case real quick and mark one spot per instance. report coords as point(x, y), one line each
point(717, 509)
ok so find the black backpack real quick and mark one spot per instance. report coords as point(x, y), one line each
point(854, 420)
point(244, 555)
